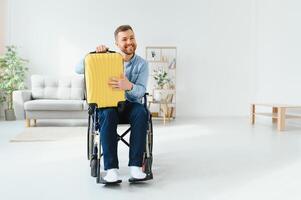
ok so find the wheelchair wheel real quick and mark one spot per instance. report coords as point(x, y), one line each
point(150, 132)
point(95, 161)
point(148, 155)
point(149, 141)
point(93, 165)
point(147, 166)
point(90, 137)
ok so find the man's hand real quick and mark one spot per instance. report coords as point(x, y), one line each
point(101, 49)
point(122, 83)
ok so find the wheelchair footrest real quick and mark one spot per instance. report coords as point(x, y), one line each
point(135, 180)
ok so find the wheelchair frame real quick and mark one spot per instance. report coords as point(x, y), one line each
point(94, 149)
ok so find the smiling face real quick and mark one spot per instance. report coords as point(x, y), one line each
point(126, 42)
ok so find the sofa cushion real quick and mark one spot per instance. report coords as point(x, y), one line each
point(44, 104)
point(68, 88)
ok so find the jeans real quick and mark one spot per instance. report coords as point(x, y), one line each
point(137, 116)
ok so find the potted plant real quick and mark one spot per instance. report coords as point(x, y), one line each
point(162, 79)
point(12, 76)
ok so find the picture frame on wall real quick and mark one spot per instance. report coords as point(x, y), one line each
point(153, 54)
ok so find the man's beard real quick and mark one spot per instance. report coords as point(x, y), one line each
point(127, 52)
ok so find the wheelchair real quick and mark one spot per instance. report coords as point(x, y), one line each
point(101, 96)
point(94, 150)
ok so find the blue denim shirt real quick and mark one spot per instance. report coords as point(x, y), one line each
point(137, 71)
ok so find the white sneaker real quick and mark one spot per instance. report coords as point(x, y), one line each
point(112, 175)
point(137, 173)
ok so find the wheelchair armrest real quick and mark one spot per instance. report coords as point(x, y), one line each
point(145, 99)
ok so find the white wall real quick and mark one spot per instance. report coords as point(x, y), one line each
point(217, 43)
point(3, 20)
point(279, 46)
point(2, 24)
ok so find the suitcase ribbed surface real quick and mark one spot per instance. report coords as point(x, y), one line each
point(99, 68)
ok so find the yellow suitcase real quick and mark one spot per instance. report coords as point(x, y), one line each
point(99, 69)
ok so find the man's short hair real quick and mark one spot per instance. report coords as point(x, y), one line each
point(121, 29)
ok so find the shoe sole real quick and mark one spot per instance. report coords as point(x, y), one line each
point(103, 181)
point(137, 180)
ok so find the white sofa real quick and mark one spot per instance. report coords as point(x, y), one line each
point(51, 98)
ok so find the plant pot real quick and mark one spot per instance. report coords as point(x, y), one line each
point(157, 95)
point(10, 115)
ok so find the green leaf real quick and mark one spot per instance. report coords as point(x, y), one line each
point(12, 73)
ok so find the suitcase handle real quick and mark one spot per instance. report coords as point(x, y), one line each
point(108, 51)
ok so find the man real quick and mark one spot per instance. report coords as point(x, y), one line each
point(134, 84)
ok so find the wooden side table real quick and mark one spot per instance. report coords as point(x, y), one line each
point(278, 113)
point(166, 108)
